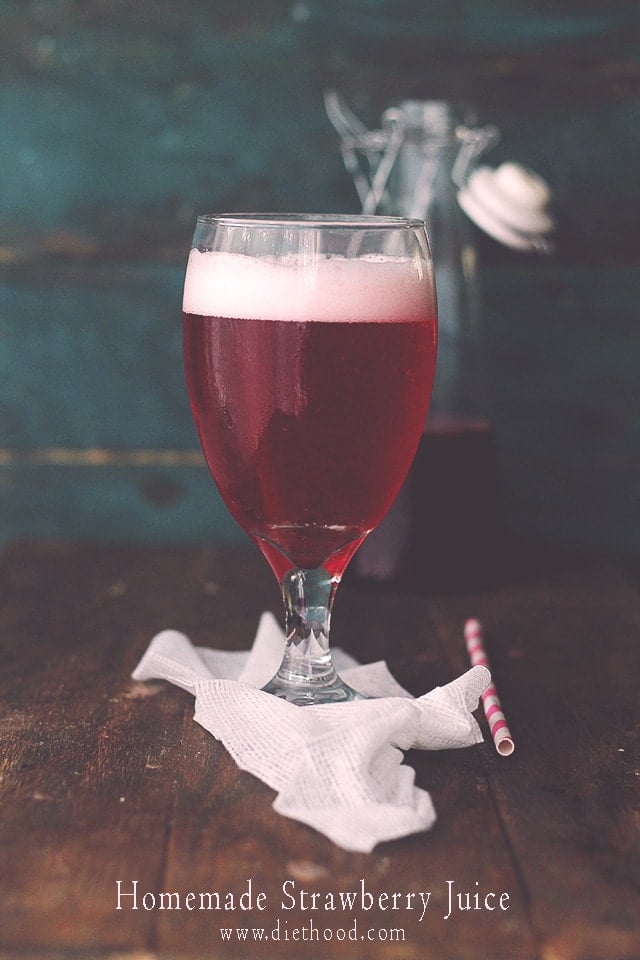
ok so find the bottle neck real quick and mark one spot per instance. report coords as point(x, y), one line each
point(420, 182)
point(433, 122)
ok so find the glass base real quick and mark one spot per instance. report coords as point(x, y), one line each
point(304, 692)
point(307, 675)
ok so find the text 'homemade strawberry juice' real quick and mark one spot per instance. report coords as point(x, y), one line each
point(309, 389)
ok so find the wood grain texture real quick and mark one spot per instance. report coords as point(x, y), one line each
point(121, 122)
point(103, 779)
point(564, 654)
point(91, 366)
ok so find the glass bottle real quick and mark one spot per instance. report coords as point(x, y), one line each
point(446, 525)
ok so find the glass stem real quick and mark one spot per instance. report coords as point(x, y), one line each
point(308, 598)
point(307, 675)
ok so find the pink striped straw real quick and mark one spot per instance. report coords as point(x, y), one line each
point(500, 732)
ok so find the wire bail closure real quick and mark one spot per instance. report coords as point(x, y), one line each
point(370, 155)
point(510, 203)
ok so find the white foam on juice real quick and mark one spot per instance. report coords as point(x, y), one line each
point(336, 289)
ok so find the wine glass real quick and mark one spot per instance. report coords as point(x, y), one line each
point(310, 348)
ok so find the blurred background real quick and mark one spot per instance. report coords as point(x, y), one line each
point(122, 120)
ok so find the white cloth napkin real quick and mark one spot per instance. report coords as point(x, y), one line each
point(336, 767)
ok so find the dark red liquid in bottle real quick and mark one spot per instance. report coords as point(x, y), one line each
point(446, 528)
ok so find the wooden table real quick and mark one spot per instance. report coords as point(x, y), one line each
point(104, 780)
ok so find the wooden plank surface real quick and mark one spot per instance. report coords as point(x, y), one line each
point(122, 121)
point(565, 646)
point(103, 779)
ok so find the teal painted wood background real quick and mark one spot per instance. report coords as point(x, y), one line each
point(120, 121)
